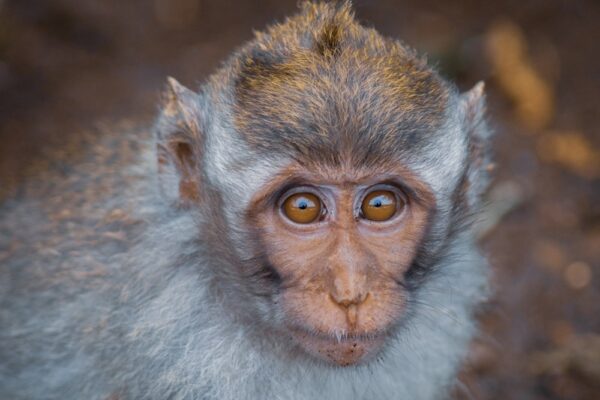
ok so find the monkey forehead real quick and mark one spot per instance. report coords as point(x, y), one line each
point(355, 111)
point(363, 116)
point(320, 85)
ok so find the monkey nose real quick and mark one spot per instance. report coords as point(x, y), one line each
point(349, 292)
point(349, 300)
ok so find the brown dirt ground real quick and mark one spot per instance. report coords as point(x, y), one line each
point(67, 65)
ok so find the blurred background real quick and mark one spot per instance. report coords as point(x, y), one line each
point(67, 66)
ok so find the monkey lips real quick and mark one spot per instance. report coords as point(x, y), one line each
point(343, 351)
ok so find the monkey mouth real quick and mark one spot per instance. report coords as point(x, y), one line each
point(341, 350)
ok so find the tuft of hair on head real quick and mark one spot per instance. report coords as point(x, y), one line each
point(321, 86)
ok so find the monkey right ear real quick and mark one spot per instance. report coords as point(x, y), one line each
point(478, 132)
point(179, 145)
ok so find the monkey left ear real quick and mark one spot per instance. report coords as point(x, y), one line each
point(472, 105)
point(179, 145)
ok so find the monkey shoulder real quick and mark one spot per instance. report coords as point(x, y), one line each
point(77, 211)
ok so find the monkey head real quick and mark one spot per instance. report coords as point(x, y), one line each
point(330, 170)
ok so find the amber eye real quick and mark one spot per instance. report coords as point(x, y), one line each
point(302, 208)
point(379, 205)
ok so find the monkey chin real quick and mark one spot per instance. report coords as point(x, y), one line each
point(342, 352)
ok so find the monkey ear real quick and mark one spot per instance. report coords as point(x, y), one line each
point(179, 145)
point(473, 108)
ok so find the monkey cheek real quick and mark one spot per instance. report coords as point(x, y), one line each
point(344, 352)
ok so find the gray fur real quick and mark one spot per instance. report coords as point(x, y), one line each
point(106, 289)
point(158, 328)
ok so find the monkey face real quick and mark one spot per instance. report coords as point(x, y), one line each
point(341, 244)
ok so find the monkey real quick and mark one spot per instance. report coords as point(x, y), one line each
point(300, 226)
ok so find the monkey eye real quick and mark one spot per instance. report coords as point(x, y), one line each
point(302, 208)
point(380, 205)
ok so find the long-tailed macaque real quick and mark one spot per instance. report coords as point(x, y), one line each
point(297, 228)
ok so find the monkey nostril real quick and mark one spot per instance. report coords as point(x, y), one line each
point(363, 297)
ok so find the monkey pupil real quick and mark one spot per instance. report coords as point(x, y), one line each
point(378, 203)
point(303, 205)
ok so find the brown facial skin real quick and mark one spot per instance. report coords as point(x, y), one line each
point(341, 275)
